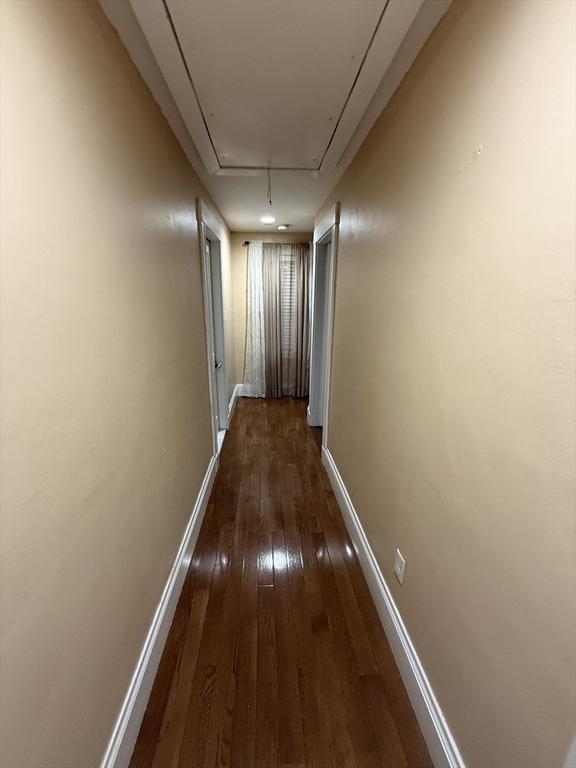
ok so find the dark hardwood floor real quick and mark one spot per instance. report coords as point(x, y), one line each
point(276, 657)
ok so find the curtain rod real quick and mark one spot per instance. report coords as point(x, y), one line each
point(271, 242)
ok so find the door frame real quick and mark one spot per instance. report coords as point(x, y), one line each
point(326, 232)
point(211, 228)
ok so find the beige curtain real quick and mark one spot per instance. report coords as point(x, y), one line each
point(286, 280)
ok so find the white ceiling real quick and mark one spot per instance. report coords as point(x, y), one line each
point(285, 84)
point(275, 92)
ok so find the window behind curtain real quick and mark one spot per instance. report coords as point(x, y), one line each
point(286, 318)
point(288, 301)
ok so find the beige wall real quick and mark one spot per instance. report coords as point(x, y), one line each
point(106, 424)
point(239, 257)
point(452, 412)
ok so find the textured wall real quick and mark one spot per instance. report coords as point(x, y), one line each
point(452, 411)
point(106, 423)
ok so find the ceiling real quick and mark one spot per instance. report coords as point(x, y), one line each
point(285, 89)
point(260, 98)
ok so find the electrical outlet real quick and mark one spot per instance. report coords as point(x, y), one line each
point(399, 566)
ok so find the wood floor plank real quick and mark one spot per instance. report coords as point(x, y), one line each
point(316, 747)
point(330, 692)
point(174, 720)
point(243, 745)
point(276, 657)
point(363, 738)
point(198, 740)
point(149, 735)
point(267, 713)
point(291, 739)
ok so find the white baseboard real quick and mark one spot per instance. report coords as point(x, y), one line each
point(235, 395)
point(125, 733)
point(440, 742)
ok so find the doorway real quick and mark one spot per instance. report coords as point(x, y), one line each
point(212, 246)
point(211, 251)
point(322, 312)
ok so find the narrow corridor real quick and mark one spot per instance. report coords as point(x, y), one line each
point(276, 656)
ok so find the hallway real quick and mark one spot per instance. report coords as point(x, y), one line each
point(229, 232)
point(276, 656)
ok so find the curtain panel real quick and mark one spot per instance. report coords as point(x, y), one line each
point(279, 320)
point(254, 379)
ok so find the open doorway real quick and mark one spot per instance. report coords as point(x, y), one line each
point(322, 312)
point(211, 250)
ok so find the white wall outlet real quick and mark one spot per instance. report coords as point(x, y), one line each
point(399, 566)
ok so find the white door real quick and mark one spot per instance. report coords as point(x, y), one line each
point(218, 349)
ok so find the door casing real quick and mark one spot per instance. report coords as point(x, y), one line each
point(210, 229)
point(322, 313)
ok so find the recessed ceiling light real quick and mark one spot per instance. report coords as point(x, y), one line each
point(283, 226)
point(267, 219)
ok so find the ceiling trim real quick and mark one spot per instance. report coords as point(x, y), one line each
point(429, 15)
point(391, 29)
point(240, 200)
point(155, 21)
point(123, 19)
point(349, 94)
point(190, 78)
point(159, 28)
point(246, 170)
